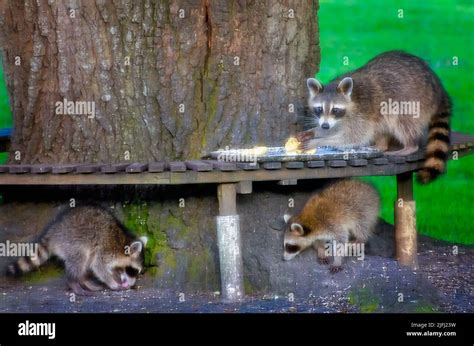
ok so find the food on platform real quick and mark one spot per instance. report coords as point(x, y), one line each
point(259, 151)
point(292, 145)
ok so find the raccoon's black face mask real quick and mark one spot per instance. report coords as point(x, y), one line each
point(125, 274)
point(328, 106)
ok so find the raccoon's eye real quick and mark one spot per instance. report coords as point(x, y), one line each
point(132, 271)
point(318, 110)
point(292, 248)
point(338, 111)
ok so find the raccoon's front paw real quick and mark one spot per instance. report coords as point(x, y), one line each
point(324, 260)
point(78, 290)
point(308, 144)
point(335, 269)
point(303, 140)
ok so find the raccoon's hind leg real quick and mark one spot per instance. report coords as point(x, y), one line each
point(342, 238)
point(382, 142)
point(407, 150)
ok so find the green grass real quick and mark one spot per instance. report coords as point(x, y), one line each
point(436, 31)
point(5, 112)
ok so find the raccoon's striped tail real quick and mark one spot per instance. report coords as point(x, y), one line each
point(29, 263)
point(437, 148)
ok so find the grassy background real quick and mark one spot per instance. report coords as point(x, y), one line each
point(5, 113)
point(437, 31)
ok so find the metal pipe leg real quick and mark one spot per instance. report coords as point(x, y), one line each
point(230, 244)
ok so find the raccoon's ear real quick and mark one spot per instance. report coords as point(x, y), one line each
point(136, 247)
point(314, 86)
point(144, 240)
point(286, 217)
point(296, 227)
point(345, 86)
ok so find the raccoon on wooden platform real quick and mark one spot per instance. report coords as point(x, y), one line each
point(394, 98)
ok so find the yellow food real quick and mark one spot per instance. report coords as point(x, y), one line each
point(292, 145)
point(258, 151)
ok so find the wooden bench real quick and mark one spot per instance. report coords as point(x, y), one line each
point(237, 178)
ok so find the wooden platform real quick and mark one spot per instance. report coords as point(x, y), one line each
point(211, 171)
point(237, 178)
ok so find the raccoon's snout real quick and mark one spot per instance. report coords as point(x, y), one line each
point(325, 126)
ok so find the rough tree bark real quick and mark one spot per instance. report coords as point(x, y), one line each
point(235, 67)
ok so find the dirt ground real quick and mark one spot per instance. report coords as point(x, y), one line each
point(450, 275)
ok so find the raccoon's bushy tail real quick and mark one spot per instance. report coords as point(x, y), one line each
point(29, 263)
point(437, 148)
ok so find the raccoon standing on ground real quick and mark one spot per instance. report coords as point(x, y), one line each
point(348, 112)
point(346, 210)
point(96, 249)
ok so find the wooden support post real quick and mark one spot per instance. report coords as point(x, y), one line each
point(229, 244)
point(405, 222)
point(244, 187)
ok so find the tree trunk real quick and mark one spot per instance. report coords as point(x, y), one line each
point(167, 79)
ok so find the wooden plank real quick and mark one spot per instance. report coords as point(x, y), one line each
point(282, 174)
point(315, 164)
point(397, 159)
point(136, 167)
point(176, 166)
point(294, 165)
point(271, 165)
point(379, 161)
point(337, 163)
point(413, 157)
point(199, 166)
point(194, 177)
point(421, 155)
point(18, 169)
point(40, 169)
point(63, 169)
point(461, 153)
point(87, 169)
point(248, 166)
point(114, 168)
point(223, 166)
point(357, 162)
point(156, 167)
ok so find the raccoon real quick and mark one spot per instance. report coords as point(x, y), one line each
point(345, 211)
point(394, 98)
point(97, 250)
